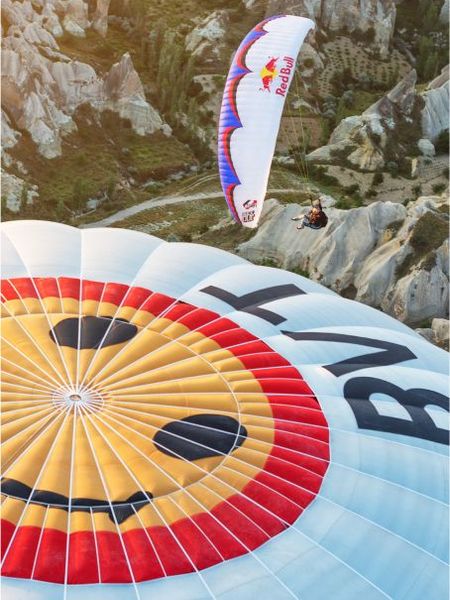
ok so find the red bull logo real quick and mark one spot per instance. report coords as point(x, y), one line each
point(248, 204)
point(268, 74)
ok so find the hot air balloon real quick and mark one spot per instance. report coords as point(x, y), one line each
point(253, 100)
point(179, 423)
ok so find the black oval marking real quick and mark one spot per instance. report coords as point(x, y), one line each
point(200, 436)
point(122, 508)
point(92, 331)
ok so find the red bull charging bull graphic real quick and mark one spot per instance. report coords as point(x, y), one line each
point(268, 74)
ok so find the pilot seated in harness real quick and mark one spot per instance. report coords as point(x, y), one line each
point(315, 219)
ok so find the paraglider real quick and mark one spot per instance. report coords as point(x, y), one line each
point(180, 423)
point(253, 100)
point(315, 219)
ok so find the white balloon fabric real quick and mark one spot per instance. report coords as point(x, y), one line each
point(254, 96)
point(179, 423)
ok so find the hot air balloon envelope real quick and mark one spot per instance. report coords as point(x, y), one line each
point(180, 423)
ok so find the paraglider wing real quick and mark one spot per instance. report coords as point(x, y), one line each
point(254, 96)
point(179, 423)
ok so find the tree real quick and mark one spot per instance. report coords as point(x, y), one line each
point(430, 66)
point(425, 49)
point(430, 17)
point(377, 179)
point(60, 210)
point(394, 76)
point(442, 142)
point(324, 131)
point(79, 194)
point(111, 188)
point(23, 198)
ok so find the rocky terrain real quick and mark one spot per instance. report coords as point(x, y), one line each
point(390, 256)
point(42, 87)
point(108, 104)
point(398, 126)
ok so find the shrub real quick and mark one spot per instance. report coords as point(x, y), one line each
point(442, 142)
point(392, 167)
point(351, 190)
point(438, 188)
point(377, 179)
point(430, 232)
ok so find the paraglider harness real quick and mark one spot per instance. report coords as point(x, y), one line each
point(316, 219)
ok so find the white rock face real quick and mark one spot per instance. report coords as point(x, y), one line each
point(364, 137)
point(441, 329)
point(12, 191)
point(418, 296)
point(100, 20)
point(444, 14)
point(206, 40)
point(436, 110)
point(9, 136)
point(359, 254)
point(76, 18)
point(123, 93)
point(50, 21)
point(41, 87)
point(349, 15)
point(426, 147)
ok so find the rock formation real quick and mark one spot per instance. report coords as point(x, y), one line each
point(76, 18)
point(444, 14)
point(100, 20)
point(123, 93)
point(345, 15)
point(441, 330)
point(363, 139)
point(368, 141)
point(42, 87)
point(366, 253)
point(436, 110)
point(9, 136)
point(206, 40)
point(15, 191)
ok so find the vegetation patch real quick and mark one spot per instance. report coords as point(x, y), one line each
point(354, 102)
point(427, 38)
point(185, 221)
point(429, 233)
point(101, 53)
point(96, 161)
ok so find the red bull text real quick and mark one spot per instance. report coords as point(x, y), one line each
point(284, 75)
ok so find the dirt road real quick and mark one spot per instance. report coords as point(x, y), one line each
point(164, 201)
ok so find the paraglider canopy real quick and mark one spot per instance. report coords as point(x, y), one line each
point(254, 96)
